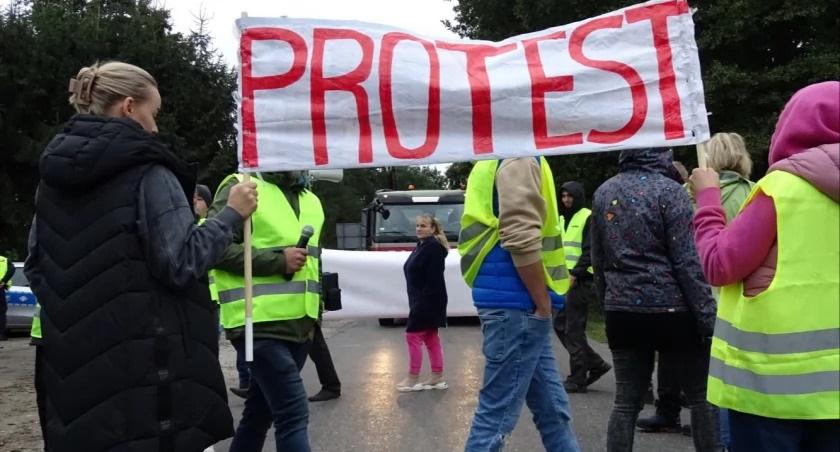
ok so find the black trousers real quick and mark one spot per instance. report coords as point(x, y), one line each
point(633, 368)
point(570, 327)
point(668, 389)
point(320, 355)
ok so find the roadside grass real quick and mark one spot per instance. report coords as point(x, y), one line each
point(595, 328)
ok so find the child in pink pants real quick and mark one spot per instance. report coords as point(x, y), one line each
point(427, 304)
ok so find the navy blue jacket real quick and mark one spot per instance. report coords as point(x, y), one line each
point(426, 287)
point(642, 245)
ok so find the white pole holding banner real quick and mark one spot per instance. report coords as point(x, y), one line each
point(701, 155)
point(249, 283)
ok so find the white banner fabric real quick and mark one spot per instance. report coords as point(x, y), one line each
point(373, 284)
point(342, 94)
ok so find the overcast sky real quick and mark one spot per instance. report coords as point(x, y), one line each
point(421, 16)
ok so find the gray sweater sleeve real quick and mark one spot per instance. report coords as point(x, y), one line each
point(177, 250)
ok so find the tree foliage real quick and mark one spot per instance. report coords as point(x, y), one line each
point(44, 43)
point(754, 55)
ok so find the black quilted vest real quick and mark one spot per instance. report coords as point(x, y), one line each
point(130, 363)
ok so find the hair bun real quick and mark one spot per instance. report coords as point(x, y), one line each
point(82, 85)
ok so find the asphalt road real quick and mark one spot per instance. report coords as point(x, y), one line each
point(372, 416)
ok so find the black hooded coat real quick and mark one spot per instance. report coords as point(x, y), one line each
point(129, 359)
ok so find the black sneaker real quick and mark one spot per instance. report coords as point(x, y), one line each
point(686, 430)
point(325, 394)
point(597, 373)
point(658, 424)
point(574, 388)
point(240, 392)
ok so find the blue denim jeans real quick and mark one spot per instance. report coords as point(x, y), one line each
point(241, 365)
point(520, 368)
point(277, 395)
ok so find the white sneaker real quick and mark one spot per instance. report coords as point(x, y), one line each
point(436, 381)
point(411, 383)
point(441, 385)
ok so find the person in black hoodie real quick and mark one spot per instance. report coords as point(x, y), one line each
point(120, 271)
point(570, 325)
point(655, 296)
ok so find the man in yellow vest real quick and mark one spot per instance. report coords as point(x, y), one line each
point(570, 324)
point(7, 270)
point(286, 291)
point(511, 250)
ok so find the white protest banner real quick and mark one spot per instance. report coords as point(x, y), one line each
point(342, 94)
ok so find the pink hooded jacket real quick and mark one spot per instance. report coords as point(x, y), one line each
point(806, 143)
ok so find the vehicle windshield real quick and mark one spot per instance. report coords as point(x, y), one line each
point(399, 227)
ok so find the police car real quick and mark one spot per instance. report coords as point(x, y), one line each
point(20, 302)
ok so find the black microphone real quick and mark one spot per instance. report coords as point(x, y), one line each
point(305, 234)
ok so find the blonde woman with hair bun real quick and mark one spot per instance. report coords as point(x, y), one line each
point(727, 154)
point(130, 343)
point(427, 302)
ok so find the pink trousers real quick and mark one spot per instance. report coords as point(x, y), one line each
point(415, 342)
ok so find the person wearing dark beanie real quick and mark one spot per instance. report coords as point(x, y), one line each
point(202, 199)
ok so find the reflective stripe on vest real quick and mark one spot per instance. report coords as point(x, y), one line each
point(479, 225)
point(777, 354)
point(311, 251)
point(274, 227)
point(775, 384)
point(291, 287)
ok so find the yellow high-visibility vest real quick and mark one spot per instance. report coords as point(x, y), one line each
point(275, 226)
point(777, 354)
point(480, 226)
point(573, 237)
point(36, 323)
point(211, 279)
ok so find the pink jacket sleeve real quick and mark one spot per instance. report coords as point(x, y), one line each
point(729, 254)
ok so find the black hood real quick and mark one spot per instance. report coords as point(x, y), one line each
point(654, 160)
point(577, 191)
point(93, 149)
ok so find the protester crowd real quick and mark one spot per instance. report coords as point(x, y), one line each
point(730, 288)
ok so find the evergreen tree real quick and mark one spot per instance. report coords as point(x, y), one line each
point(754, 55)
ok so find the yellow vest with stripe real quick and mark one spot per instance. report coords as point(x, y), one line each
point(480, 226)
point(211, 279)
point(275, 226)
point(36, 322)
point(573, 237)
point(777, 354)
